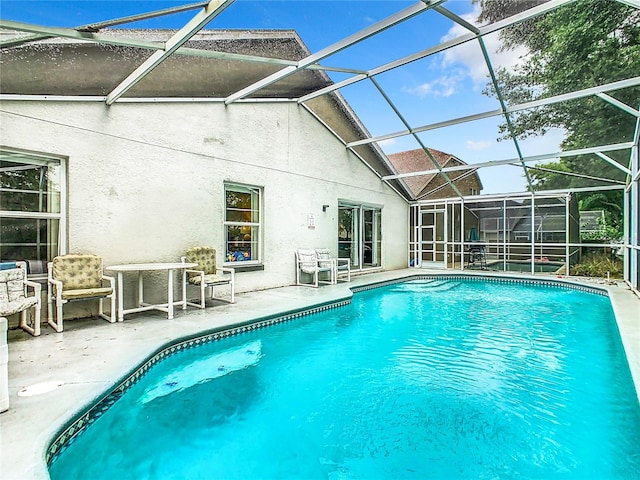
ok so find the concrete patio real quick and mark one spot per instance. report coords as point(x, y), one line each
point(91, 355)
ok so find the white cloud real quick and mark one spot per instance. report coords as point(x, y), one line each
point(466, 61)
point(469, 55)
point(444, 86)
point(477, 146)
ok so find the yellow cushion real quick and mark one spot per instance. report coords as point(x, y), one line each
point(78, 271)
point(86, 293)
point(205, 257)
point(210, 279)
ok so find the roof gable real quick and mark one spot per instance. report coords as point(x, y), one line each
point(419, 160)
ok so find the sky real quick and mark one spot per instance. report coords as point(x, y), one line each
point(437, 88)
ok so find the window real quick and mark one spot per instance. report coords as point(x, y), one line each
point(32, 207)
point(360, 235)
point(242, 223)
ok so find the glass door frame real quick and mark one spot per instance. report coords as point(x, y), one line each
point(365, 232)
point(439, 228)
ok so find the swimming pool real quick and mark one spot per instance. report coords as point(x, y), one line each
point(431, 378)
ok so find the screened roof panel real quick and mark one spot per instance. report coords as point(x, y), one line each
point(432, 90)
point(503, 179)
point(471, 141)
point(371, 107)
point(404, 67)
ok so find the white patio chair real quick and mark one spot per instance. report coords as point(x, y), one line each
point(207, 275)
point(14, 297)
point(307, 262)
point(342, 266)
point(78, 277)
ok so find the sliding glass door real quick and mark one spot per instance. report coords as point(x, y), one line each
point(360, 235)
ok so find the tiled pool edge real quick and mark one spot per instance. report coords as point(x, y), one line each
point(65, 435)
point(487, 278)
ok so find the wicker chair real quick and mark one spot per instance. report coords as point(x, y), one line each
point(78, 277)
point(14, 296)
point(207, 275)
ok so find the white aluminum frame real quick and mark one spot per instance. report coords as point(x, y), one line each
point(210, 9)
point(61, 216)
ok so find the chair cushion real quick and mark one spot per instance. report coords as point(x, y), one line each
point(210, 279)
point(9, 308)
point(324, 254)
point(205, 257)
point(86, 293)
point(11, 285)
point(309, 262)
point(78, 272)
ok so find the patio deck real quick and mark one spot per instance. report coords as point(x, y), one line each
point(91, 355)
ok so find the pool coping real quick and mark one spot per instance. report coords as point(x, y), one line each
point(33, 465)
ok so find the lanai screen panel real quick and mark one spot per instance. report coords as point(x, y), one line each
point(520, 233)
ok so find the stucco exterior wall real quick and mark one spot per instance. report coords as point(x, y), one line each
point(146, 180)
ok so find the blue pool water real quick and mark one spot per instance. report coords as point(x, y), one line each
point(425, 379)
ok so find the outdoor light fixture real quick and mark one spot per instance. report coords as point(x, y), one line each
point(324, 208)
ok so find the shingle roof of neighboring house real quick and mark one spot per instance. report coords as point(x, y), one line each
point(418, 160)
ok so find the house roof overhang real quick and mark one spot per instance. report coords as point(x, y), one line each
point(209, 67)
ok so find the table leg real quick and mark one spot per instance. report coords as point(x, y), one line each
point(170, 294)
point(120, 295)
point(140, 289)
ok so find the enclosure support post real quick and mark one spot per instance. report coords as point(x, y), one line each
point(533, 233)
point(504, 235)
point(631, 216)
point(567, 237)
point(462, 233)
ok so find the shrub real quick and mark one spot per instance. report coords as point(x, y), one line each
point(597, 265)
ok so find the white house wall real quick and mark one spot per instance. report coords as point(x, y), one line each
point(145, 180)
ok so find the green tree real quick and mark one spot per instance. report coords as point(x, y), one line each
point(580, 45)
